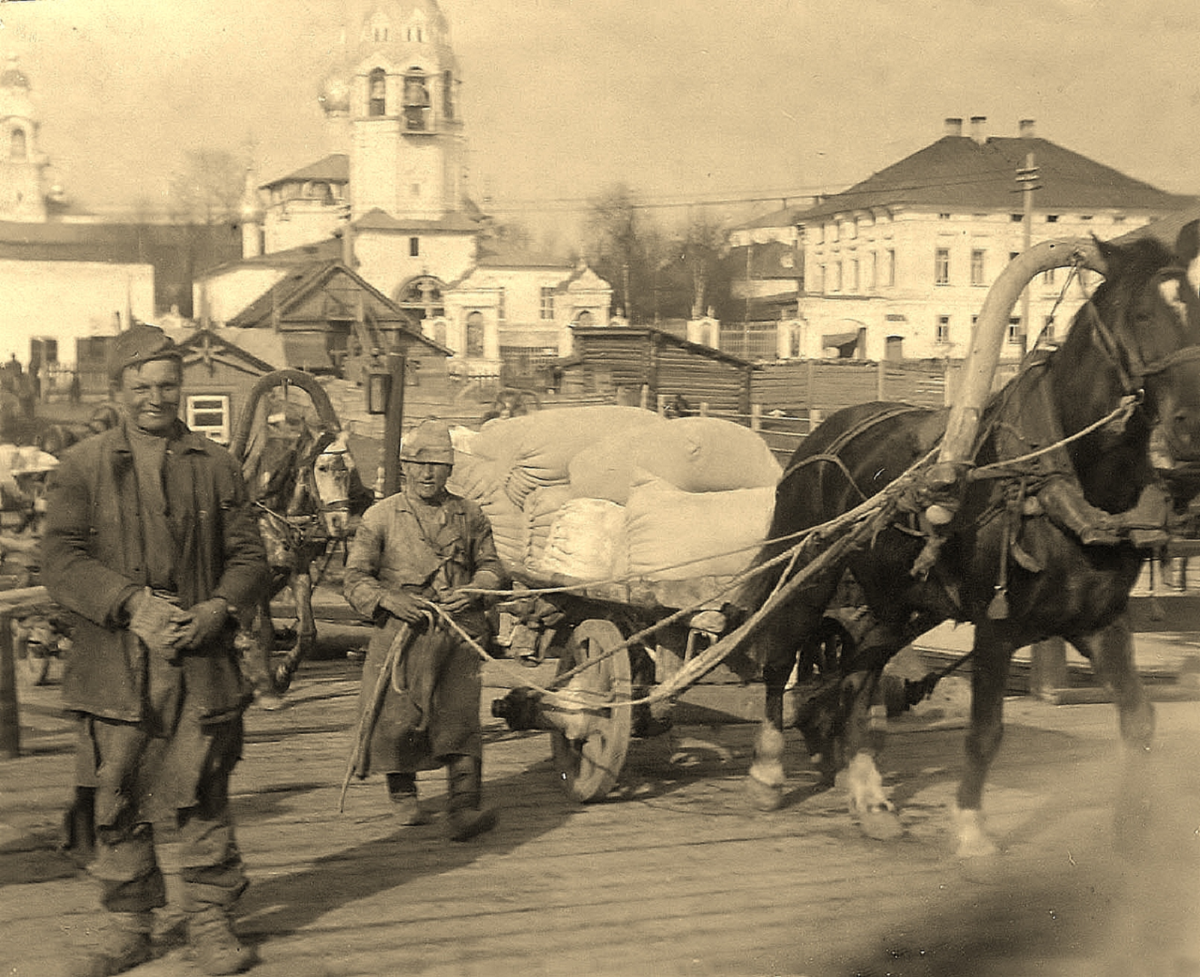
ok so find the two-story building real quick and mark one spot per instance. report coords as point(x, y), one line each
point(898, 266)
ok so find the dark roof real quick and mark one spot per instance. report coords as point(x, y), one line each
point(334, 168)
point(617, 332)
point(378, 220)
point(305, 254)
point(956, 172)
point(290, 290)
point(771, 260)
point(492, 256)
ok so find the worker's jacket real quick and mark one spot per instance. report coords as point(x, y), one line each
point(93, 561)
point(390, 552)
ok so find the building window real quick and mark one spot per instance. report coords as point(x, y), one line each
point(377, 89)
point(1014, 331)
point(854, 275)
point(208, 414)
point(837, 276)
point(891, 266)
point(941, 267)
point(448, 95)
point(414, 247)
point(1048, 329)
point(547, 306)
point(943, 329)
point(1052, 218)
point(874, 280)
point(1016, 218)
point(475, 334)
point(416, 102)
point(414, 189)
point(977, 267)
point(1048, 276)
point(18, 149)
point(943, 217)
point(502, 306)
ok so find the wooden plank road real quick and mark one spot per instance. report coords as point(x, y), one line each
point(674, 874)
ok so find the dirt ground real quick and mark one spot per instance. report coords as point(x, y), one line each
point(673, 874)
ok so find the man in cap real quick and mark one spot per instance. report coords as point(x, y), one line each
point(151, 547)
point(423, 546)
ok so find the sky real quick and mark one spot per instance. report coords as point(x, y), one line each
point(686, 101)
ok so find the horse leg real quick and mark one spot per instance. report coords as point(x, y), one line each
point(779, 640)
point(862, 741)
point(1110, 651)
point(766, 778)
point(256, 640)
point(989, 678)
point(306, 631)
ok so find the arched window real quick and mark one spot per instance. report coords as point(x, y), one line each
point(377, 92)
point(585, 318)
point(421, 297)
point(448, 94)
point(18, 148)
point(475, 334)
point(416, 101)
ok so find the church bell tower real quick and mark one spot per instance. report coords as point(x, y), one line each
point(401, 81)
point(22, 166)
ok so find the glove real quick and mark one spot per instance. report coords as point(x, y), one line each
point(159, 623)
point(404, 606)
point(205, 622)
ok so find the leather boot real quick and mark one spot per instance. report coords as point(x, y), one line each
point(216, 947)
point(1062, 500)
point(467, 818)
point(402, 789)
point(126, 944)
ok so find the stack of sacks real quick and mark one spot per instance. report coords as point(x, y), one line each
point(587, 541)
point(541, 508)
point(695, 454)
point(674, 534)
point(474, 477)
point(537, 449)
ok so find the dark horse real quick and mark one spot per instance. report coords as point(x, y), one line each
point(302, 479)
point(1001, 562)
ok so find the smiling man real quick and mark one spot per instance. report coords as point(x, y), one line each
point(424, 544)
point(151, 546)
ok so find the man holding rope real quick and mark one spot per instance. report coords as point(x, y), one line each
point(412, 567)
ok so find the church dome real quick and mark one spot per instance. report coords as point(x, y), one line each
point(334, 94)
point(12, 76)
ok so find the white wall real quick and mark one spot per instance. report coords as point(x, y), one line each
point(223, 295)
point(68, 300)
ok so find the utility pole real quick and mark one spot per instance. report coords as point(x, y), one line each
point(1027, 179)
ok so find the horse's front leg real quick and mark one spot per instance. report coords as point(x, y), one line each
point(990, 660)
point(306, 630)
point(862, 742)
point(1110, 651)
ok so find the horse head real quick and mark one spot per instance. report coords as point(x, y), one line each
point(333, 473)
point(1143, 323)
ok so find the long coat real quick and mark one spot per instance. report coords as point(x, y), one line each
point(92, 555)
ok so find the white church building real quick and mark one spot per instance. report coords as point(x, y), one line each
point(391, 201)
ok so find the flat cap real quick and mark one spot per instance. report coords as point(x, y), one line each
point(139, 344)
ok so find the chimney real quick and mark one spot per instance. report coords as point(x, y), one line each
point(977, 123)
point(1026, 129)
point(953, 127)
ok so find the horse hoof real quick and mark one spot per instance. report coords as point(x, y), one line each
point(881, 824)
point(271, 702)
point(973, 840)
point(764, 797)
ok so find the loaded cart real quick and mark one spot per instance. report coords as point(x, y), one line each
point(625, 534)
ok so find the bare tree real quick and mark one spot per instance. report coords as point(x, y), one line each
point(701, 249)
point(625, 248)
point(208, 189)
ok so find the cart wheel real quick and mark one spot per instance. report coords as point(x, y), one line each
point(589, 767)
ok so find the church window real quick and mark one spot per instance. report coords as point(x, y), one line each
point(416, 101)
point(18, 148)
point(448, 94)
point(585, 318)
point(414, 247)
point(502, 306)
point(377, 86)
point(547, 304)
point(475, 334)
